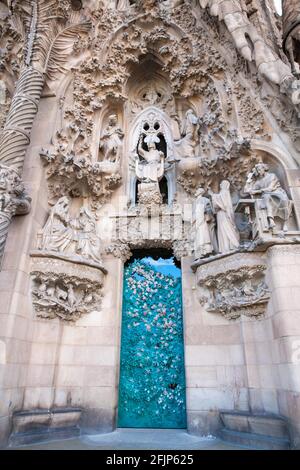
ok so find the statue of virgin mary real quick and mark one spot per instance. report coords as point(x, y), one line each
point(58, 235)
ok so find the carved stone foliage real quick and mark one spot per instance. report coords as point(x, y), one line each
point(46, 40)
point(47, 43)
point(119, 250)
point(64, 289)
point(71, 172)
point(228, 105)
point(233, 286)
point(234, 165)
point(150, 198)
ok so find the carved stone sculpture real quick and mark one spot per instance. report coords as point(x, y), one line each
point(58, 234)
point(246, 38)
point(228, 235)
point(186, 147)
point(64, 297)
point(205, 242)
point(233, 286)
point(13, 201)
point(252, 46)
point(42, 58)
point(122, 4)
point(88, 245)
point(63, 288)
point(149, 198)
point(111, 143)
point(151, 168)
point(167, 229)
point(73, 238)
point(291, 33)
point(265, 184)
point(76, 175)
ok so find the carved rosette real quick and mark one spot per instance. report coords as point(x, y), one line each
point(63, 288)
point(233, 285)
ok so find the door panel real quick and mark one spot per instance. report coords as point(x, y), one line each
point(152, 379)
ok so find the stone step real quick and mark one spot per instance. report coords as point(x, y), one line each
point(254, 441)
point(33, 426)
point(43, 435)
point(264, 424)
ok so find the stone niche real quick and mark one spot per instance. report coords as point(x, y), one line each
point(233, 285)
point(64, 288)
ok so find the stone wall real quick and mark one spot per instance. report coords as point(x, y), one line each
point(216, 374)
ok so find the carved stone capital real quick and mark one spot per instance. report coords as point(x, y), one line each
point(64, 288)
point(13, 197)
point(234, 285)
point(120, 250)
point(13, 201)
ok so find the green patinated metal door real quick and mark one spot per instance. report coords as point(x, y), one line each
point(152, 379)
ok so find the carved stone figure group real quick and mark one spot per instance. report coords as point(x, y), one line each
point(66, 297)
point(264, 184)
point(69, 236)
point(215, 230)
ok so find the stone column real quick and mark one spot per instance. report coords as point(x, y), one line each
point(284, 275)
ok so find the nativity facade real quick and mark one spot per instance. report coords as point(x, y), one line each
point(150, 219)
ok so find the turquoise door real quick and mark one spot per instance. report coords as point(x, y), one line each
point(152, 379)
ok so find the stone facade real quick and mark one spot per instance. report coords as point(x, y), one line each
point(113, 117)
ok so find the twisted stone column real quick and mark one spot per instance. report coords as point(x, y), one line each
point(15, 136)
point(14, 140)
